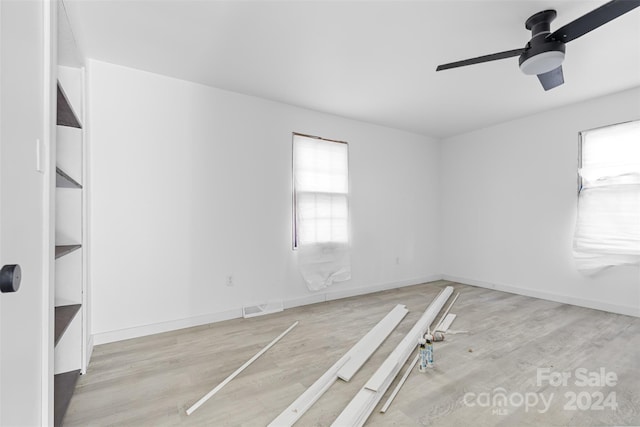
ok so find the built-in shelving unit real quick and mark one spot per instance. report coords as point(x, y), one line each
point(71, 336)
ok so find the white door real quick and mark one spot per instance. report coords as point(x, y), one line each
point(25, 129)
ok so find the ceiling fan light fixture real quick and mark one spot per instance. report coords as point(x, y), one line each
point(544, 53)
point(542, 62)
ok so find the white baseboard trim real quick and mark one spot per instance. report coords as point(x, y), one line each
point(172, 325)
point(304, 300)
point(565, 299)
point(334, 294)
point(346, 293)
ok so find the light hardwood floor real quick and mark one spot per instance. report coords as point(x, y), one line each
point(151, 381)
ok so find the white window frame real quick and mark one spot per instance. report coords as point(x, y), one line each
point(591, 259)
point(295, 243)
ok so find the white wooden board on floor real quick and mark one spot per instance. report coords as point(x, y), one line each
point(446, 323)
point(344, 368)
point(358, 410)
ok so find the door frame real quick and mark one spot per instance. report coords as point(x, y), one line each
point(0, 203)
point(43, 162)
point(50, 62)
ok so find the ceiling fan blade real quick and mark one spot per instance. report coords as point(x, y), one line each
point(552, 78)
point(592, 20)
point(480, 59)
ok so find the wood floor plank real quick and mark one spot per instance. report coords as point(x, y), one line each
point(153, 380)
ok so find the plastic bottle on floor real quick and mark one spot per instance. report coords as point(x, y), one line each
point(422, 367)
point(429, 352)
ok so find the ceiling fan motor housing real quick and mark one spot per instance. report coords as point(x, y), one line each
point(541, 54)
point(544, 53)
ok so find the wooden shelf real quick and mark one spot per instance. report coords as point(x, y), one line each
point(70, 283)
point(64, 316)
point(66, 116)
point(65, 181)
point(62, 250)
point(63, 386)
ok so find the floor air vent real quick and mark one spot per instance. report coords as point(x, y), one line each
point(261, 309)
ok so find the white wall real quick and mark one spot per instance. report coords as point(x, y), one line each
point(189, 184)
point(509, 198)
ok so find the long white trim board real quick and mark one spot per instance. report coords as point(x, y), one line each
point(400, 384)
point(446, 323)
point(207, 396)
point(345, 368)
point(362, 405)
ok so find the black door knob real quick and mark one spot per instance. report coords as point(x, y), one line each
point(10, 276)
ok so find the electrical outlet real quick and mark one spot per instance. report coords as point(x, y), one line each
point(230, 280)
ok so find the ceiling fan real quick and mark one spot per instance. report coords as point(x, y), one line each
point(544, 53)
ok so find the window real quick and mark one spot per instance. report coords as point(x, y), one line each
point(321, 191)
point(608, 226)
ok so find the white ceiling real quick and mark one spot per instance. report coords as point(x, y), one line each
point(368, 60)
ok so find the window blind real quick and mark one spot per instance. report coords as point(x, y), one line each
point(321, 189)
point(608, 225)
